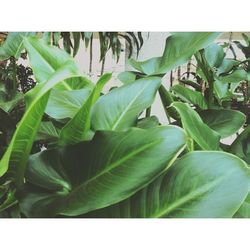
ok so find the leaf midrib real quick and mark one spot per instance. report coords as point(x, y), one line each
point(118, 162)
point(119, 118)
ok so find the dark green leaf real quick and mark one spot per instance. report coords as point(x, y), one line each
point(199, 185)
point(110, 168)
point(223, 121)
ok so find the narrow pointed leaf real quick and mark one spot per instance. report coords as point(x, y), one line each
point(204, 136)
point(77, 128)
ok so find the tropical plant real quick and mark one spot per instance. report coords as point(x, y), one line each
point(102, 158)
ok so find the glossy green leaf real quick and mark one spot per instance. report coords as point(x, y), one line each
point(199, 185)
point(119, 109)
point(45, 59)
point(17, 153)
point(204, 136)
point(13, 45)
point(179, 48)
point(214, 55)
point(92, 175)
point(66, 103)
point(77, 128)
point(190, 96)
point(226, 122)
point(221, 89)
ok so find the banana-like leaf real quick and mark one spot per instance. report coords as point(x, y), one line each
point(17, 153)
point(190, 96)
point(226, 122)
point(77, 128)
point(45, 59)
point(13, 44)
point(199, 185)
point(120, 108)
point(178, 50)
point(47, 131)
point(204, 136)
point(91, 175)
point(66, 103)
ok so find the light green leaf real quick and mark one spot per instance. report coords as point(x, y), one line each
point(77, 128)
point(96, 174)
point(45, 59)
point(17, 153)
point(127, 77)
point(119, 109)
point(214, 55)
point(66, 103)
point(190, 96)
point(223, 121)
point(199, 185)
point(204, 136)
point(178, 50)
point(13, 45)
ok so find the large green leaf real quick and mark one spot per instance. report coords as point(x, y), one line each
point(190, 96)
point(45, 59)
point(96, 174)
point(18, 151)
point(120, 108)
point(223, 121)
point(13, 44)
point(66, 103)
point(178, 50)
point(78, 127)
point(199, 185)
point(204, 136)
point(241, 146)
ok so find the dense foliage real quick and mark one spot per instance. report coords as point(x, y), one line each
point(100, 156)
